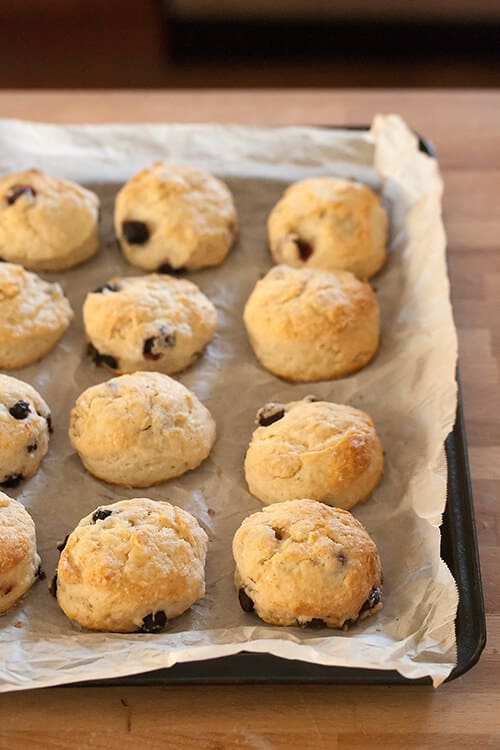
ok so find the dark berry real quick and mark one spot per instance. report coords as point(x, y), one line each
point(374, 598)
point(102, 359)
point(342, 558)
point(20, 410)
point(53, 585)
point(17, 190)
point(155, 622)
point(32, 448)
point(61, 545)
point(40, 575)
point(100, 514)
point(270, 413)
point(154, 345)
point(12, 480)
point(278, 533)
point(316, 623)
point(106, 288)
point(305, 248)
point(167, 268)
point(135, 232)
point(50, 426)
point(246, 603)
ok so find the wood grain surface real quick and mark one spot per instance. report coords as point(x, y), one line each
point(465, 127)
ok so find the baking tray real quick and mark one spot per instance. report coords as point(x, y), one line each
point(459, 549)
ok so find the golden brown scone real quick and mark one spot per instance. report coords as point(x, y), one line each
point(33, 316)
point(132, 566)
point(315, 449)
point(153, 322)
point(329, 223)
point(173, 216)
point(46, 223)
point(308, 325)
point(304, 563)
point(141, 429)
point(19, 561)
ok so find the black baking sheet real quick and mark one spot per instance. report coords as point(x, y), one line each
point(459, 550)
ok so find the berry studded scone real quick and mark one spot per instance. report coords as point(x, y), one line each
point(131, 567)
point(19, 560)
point(148, 323)
point(308, 325)
point(304, 563)
point(329, 223)
point(175, 216)
point(314, 449)
point(33, 316)
point(141, 429)
point(25, 425)
point(46, 223)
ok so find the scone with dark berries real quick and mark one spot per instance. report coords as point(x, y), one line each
point(153, 322)
point(19, 560)
point(141, 429)
point(46, 223)
point(34, 314)
point(329, 223)
point(304, 563)
point(175, 217)
point(309, 325)
point(317, 449)
point(131, 567)
point(25, 425)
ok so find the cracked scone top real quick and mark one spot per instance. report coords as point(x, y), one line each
point(24, 430)
point(309, 325)
point(34, 314)
point(148, 323)
point(175, 216)
point(19, 561)
point(329, 223)
point(46, 223)
point(132, 566)
point(141, 429)
point(315, 449)
point(304, 563)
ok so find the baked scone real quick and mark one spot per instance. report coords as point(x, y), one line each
point(304, 563)
point(315, 449)
point(174, 216)
point(307, 324)
point(25, 424)
point(46, 223)
point(19, 560)
point(148, 323)
point(33, 316)
point(131, 566)
point(141, 429)
point(329, 223)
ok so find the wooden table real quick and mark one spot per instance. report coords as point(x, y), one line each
point(465, 127)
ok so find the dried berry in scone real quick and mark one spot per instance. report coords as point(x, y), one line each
point(322, 570)
point(154, 322)
point(170, 217)
point(132, 567)
point(24, 430)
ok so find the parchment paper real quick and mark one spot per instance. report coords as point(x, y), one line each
point(409, 390)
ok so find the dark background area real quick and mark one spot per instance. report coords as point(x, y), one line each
point(252, 43)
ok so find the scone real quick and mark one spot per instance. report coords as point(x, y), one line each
point(306, 324)
point(25, 424)
point(329, 223)
point(33, 316)
point(131, 566)
point(46, 223)
point(19, 561)
point(139, 430)
point(148, 323)
point(174, 216)
point(303, 563)
point(315, 449)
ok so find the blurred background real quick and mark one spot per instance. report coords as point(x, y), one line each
point(249, 43)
